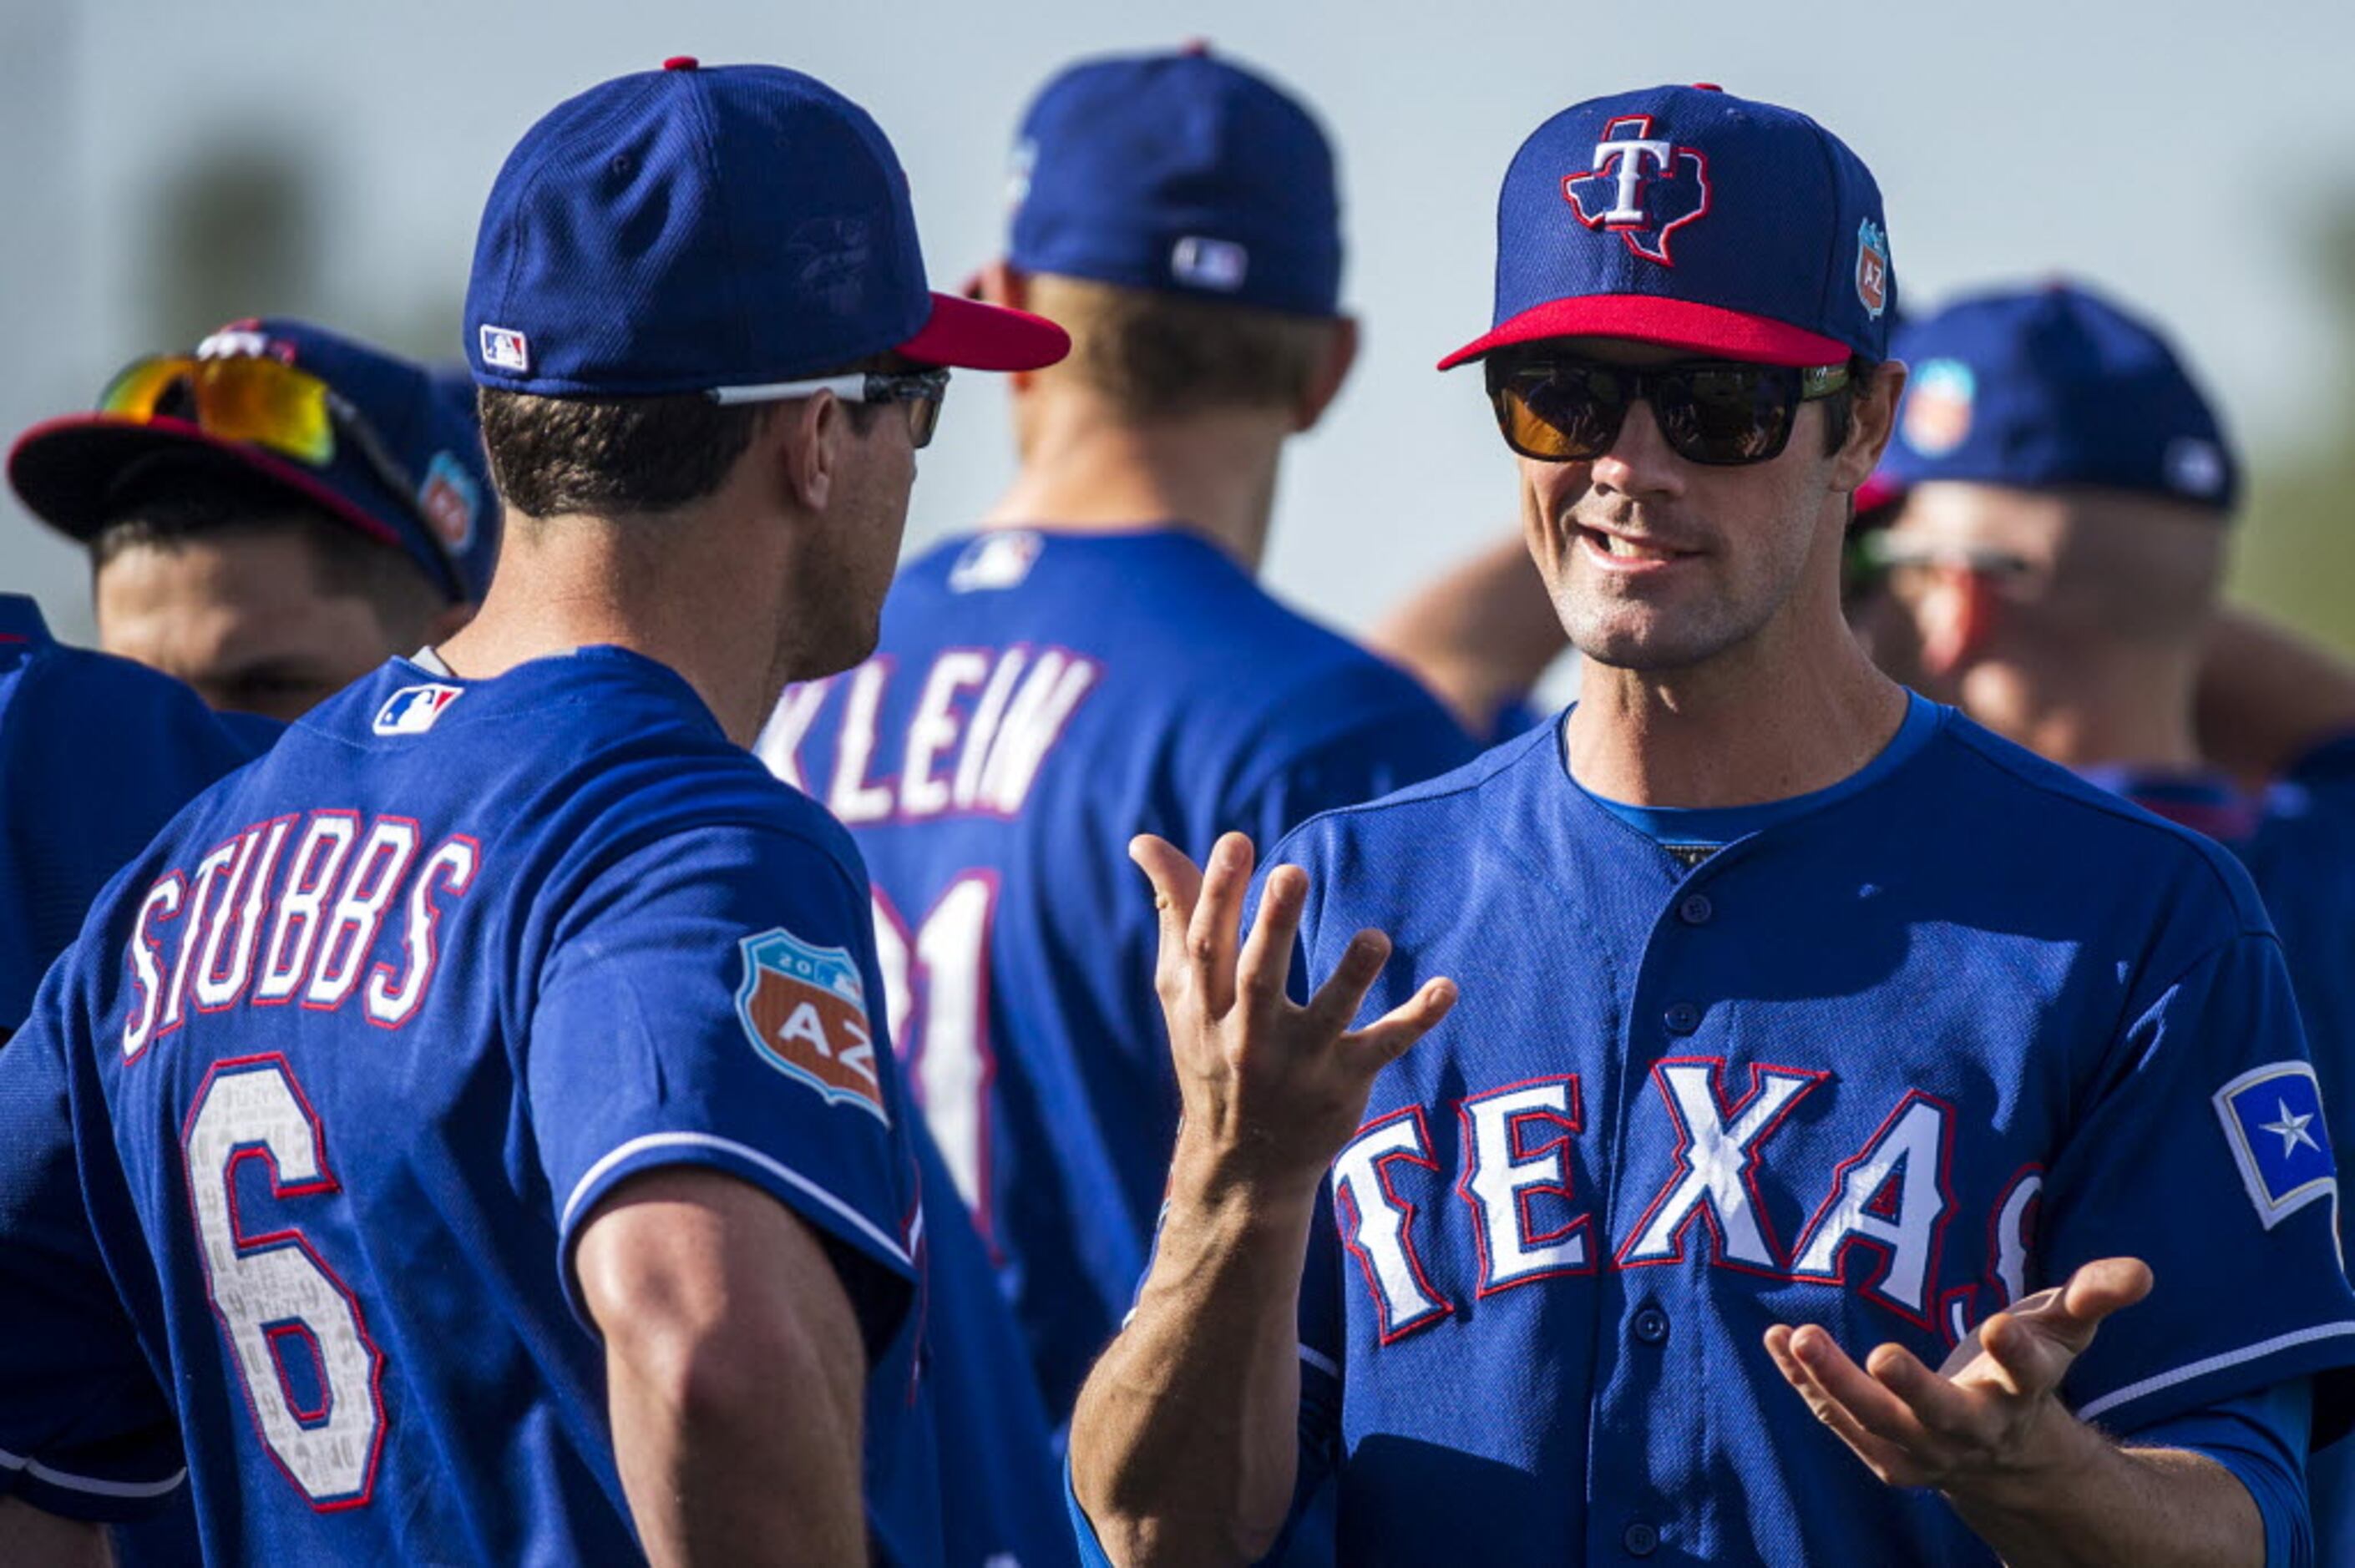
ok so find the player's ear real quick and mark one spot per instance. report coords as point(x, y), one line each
point(1332, 369)
point(1873, 415)
point(806, 440)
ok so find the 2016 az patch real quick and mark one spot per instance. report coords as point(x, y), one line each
point(2272, 1119)
point(804, 1009)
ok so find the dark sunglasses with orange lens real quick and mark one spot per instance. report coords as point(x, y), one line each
point(1721, 412)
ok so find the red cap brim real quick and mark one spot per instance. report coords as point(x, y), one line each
point(1670, 323)
point(972, 336)
point(65, 469)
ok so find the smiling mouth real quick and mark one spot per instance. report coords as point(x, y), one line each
point(1619, 547)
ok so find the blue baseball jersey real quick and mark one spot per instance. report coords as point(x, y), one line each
point(1883, 1058)
point(96, 754)
point(1036, 699)
point(297, 1143)
point(2297, 839)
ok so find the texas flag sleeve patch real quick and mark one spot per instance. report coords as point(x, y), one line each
point(2273, 1120)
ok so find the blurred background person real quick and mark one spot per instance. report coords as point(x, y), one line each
point(2056, 515)
point(96, 754)
point(273, 516)
point(1098, 660)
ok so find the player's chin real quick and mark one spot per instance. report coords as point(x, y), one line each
point(1645, 637)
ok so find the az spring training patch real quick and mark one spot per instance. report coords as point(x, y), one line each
point(804, 1009)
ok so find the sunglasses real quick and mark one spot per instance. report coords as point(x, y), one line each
point(266, 403)
point(921, 390)
point(1722, 413)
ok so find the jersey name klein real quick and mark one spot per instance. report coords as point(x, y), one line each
point(1892, 1195)
point(983, 722)
point(289, 911)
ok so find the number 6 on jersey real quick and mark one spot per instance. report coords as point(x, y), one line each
point(274, 1296)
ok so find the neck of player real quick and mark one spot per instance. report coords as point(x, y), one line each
point(702, 594)
point(1086, 470)
point(1794, 708)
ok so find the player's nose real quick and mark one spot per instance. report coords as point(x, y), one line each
point(1640, 462)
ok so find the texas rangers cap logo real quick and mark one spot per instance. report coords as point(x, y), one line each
point(1643, 188)
point(2273, 1120)
point(804, 1009)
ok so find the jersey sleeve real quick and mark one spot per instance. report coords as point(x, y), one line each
point(2205, 1154)
point(707, 1003)
point(85, 1430)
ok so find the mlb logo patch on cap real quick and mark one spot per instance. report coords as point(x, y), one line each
point(505, 348)
point(2272, 1119)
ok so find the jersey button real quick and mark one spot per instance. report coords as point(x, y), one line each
point(1696, 909)
point(1640, 1540)
point(1652, 1326)
point(1683, 1018)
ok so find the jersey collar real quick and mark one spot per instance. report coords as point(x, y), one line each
point(20, 620)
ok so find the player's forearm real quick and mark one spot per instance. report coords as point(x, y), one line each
point(1479, 636)
point(39, 1539)
point(731, 1453)
point(2094, 1503)
point(1183, 1442)
point(2267, 696)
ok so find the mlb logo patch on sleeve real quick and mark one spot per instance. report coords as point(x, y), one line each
point(2272, 1119)
point(804, 1009)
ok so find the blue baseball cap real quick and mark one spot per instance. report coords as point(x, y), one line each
point(691, 229)
point(1691, 218)
point(406, 467)
point(1183, 174)
point(2039, 388)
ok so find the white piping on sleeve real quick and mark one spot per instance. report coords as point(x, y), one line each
point(791, 1178)
point(2134, 1391)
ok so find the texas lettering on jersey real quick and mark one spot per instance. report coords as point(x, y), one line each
point(984, 723)
point(1892, 1199)
point(289, 911)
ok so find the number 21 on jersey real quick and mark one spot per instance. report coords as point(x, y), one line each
point(936, 982)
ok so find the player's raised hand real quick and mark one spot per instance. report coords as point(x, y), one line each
point(1272, 1089)
point(1990, 1413)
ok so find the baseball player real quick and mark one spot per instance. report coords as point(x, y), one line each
point(271, 516)
point(2054, 569)
point(1847, 1114)
point(472, 1118)
point(95, 754)
point(1097, 660)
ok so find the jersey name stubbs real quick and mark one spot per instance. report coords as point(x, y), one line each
point(1892, 1198)
point(291, 910)
point(984, 721)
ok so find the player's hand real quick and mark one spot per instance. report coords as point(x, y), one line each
point(1271, 1089)
point(1991, 1415)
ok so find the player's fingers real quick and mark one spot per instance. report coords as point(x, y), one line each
point(1267, 952)
point(1875, 1408)
point(1936, 1403)
point(1176, 885)
point(1387, 1038)
point(1216, 930)
point(1344, 991)
point(2105, 1285)
point(1890, 1462)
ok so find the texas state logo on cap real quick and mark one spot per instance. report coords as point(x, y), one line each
point(1689, 217)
